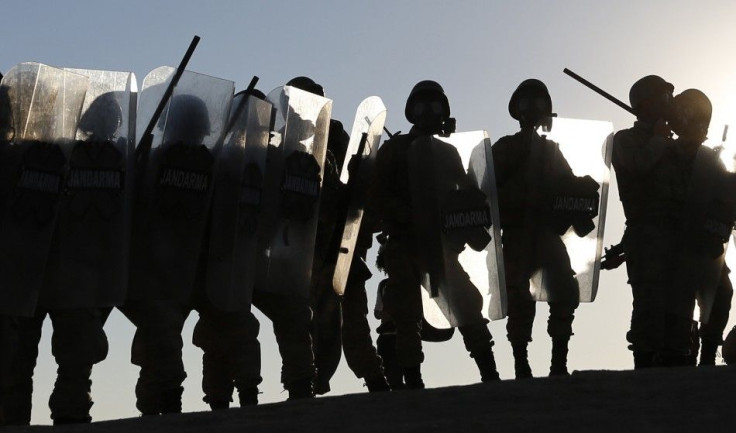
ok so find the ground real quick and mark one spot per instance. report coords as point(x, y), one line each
point(672, 400)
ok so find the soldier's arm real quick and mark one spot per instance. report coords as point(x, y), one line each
point(633, 157)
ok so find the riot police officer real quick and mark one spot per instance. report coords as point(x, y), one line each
point(530, 170)
point(428, 110)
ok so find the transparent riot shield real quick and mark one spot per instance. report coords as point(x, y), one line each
point(88, 265)
point(709, 216)
point(43, 104)
point(174, 186)
point(291, 191)
point(575, 208)
point(236, 206)
point(364, 141)
point(456, 226)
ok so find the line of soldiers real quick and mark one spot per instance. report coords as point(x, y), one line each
point(227, 200)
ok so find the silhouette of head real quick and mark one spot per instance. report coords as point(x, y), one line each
point(307, 84)
point(691, 112)
point(254, 92)
point(650, 98)
point(102, 119)
point(187, 121)
point(531, 104)
point(427, 106)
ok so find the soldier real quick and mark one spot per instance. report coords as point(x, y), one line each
point(76, 298)
point(428, 109)
point(226, 330)
point(174, 187)
point(290, 229)
point(636, 152)
point(530, 170)
point(339, 323)
point(707, 215)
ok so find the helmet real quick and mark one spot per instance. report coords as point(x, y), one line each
point(691, 111)
point(254, 92)
point(648, 87)
point(531, 89)
point(307, 84)
point(188, 119)
point(426, 87)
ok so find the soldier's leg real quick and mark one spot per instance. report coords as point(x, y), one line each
point(157, 349)
point(564, 298)
point(466, 303)
point(232, 356)
point(325, 331)
point(402, 301)
point(711, 333)
point(645, 265)
point(78, 342)
point(360, 354)
point(18, 388)
point(291, 317)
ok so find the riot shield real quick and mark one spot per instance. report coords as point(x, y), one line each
point(174, 187)
point(88, 265)
point(291, 191)
point(709, 216)
point(236, 205)
point(361, 154)
point(574, 208)
point(456, 225)
point(44, 104)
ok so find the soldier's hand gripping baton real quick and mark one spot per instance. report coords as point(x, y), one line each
point(146, 138)
point(614, 257)
point(598, 90)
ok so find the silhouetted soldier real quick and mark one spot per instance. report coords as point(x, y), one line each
point(428, 109)
point(650, 226)
point(708, 213)
point(530, 171)
point(339, 324)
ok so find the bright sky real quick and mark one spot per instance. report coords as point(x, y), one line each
point(478, 50)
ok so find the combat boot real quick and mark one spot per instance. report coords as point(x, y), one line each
point(219, 405)
point(171, 400)
point(386, 346)
point(643, 359)
point(300, 389)
point(248, 396)
point(377, 384)
point(558, 366)
point(522, 369)
point(708, 354)
point(486, 365)
point(413, 377)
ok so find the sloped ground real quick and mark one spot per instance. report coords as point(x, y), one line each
point(686, 399)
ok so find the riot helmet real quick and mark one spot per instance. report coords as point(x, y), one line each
point(102, 119)
point(307, 84)
point(188, 120)
point(691, 113)
point(253, 92)
point(650, 97)
point(427, 107)
point(531, 104)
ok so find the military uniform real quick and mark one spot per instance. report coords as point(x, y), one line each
point(402, 301)
point(530, 242)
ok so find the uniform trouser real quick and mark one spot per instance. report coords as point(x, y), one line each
point(712, 331)
point(8, 343)
point(291, 317)
point(342, 326)
point(78, 342)
point(522, 258)
point(232, 353)
point(661, 319)
point(232, 356)
point(402, 300)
